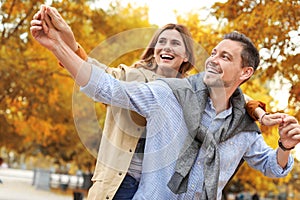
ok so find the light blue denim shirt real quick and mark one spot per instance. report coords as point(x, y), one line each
point(166, 133)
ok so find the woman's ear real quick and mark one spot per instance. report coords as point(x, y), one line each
point(186, 58)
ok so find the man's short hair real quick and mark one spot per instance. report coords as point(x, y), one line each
point(250, 54)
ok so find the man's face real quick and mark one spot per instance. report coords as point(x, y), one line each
point(224, 67)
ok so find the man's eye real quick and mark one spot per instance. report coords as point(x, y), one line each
point(225, 57)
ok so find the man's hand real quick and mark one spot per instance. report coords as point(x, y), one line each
point(44, 32)
point(289, 131)
point(58, 23)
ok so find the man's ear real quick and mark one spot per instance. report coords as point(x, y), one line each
point(247, 72)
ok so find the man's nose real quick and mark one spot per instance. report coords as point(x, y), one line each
point(214, 59)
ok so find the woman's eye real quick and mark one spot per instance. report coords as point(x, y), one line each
point(161, 41)
point(176, 43)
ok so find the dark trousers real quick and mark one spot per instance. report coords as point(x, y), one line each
point(127, 189)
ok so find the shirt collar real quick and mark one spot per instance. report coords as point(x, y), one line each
point(212, 111)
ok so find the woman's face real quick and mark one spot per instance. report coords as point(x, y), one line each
point(169, 52)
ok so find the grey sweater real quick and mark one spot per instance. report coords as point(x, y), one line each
point(192, 94)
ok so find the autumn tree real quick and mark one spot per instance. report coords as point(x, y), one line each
point(36, 93)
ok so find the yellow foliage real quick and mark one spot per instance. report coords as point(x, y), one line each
point(53, 97)
point(38, 94)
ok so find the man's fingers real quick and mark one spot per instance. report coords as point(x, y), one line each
point(290, 129)
point(36, 22)
point(48, 21)
point(50, 12)
point(56, 20)
point(36, 28)
point(55, 12)
point(45, 26)
point(35, 31)
point(295, 133)
point(37, 15)
point(289, 119)
point(43, 9)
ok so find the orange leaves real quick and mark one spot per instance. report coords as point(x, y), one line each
point(36, 94)
point(295, 94)
point(42, 132)
point(53, 97)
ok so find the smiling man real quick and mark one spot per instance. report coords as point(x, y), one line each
point(197, 128)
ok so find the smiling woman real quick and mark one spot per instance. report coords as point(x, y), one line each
point(169, 53)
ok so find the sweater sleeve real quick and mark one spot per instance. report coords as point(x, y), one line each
point(251, 105)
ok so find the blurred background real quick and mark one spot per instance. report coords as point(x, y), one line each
point(38, 137)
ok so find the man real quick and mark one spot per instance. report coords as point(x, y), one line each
point(197, 127)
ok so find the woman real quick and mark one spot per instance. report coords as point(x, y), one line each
point(119, 164)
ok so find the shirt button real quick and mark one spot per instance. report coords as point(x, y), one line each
point(130, 150)
point(107, 197)
point(199, 163)
point(120, 173)
point(193, 186)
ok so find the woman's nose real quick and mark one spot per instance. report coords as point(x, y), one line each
point(167, 47)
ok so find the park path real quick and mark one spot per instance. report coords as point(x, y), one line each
point(14, 187)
